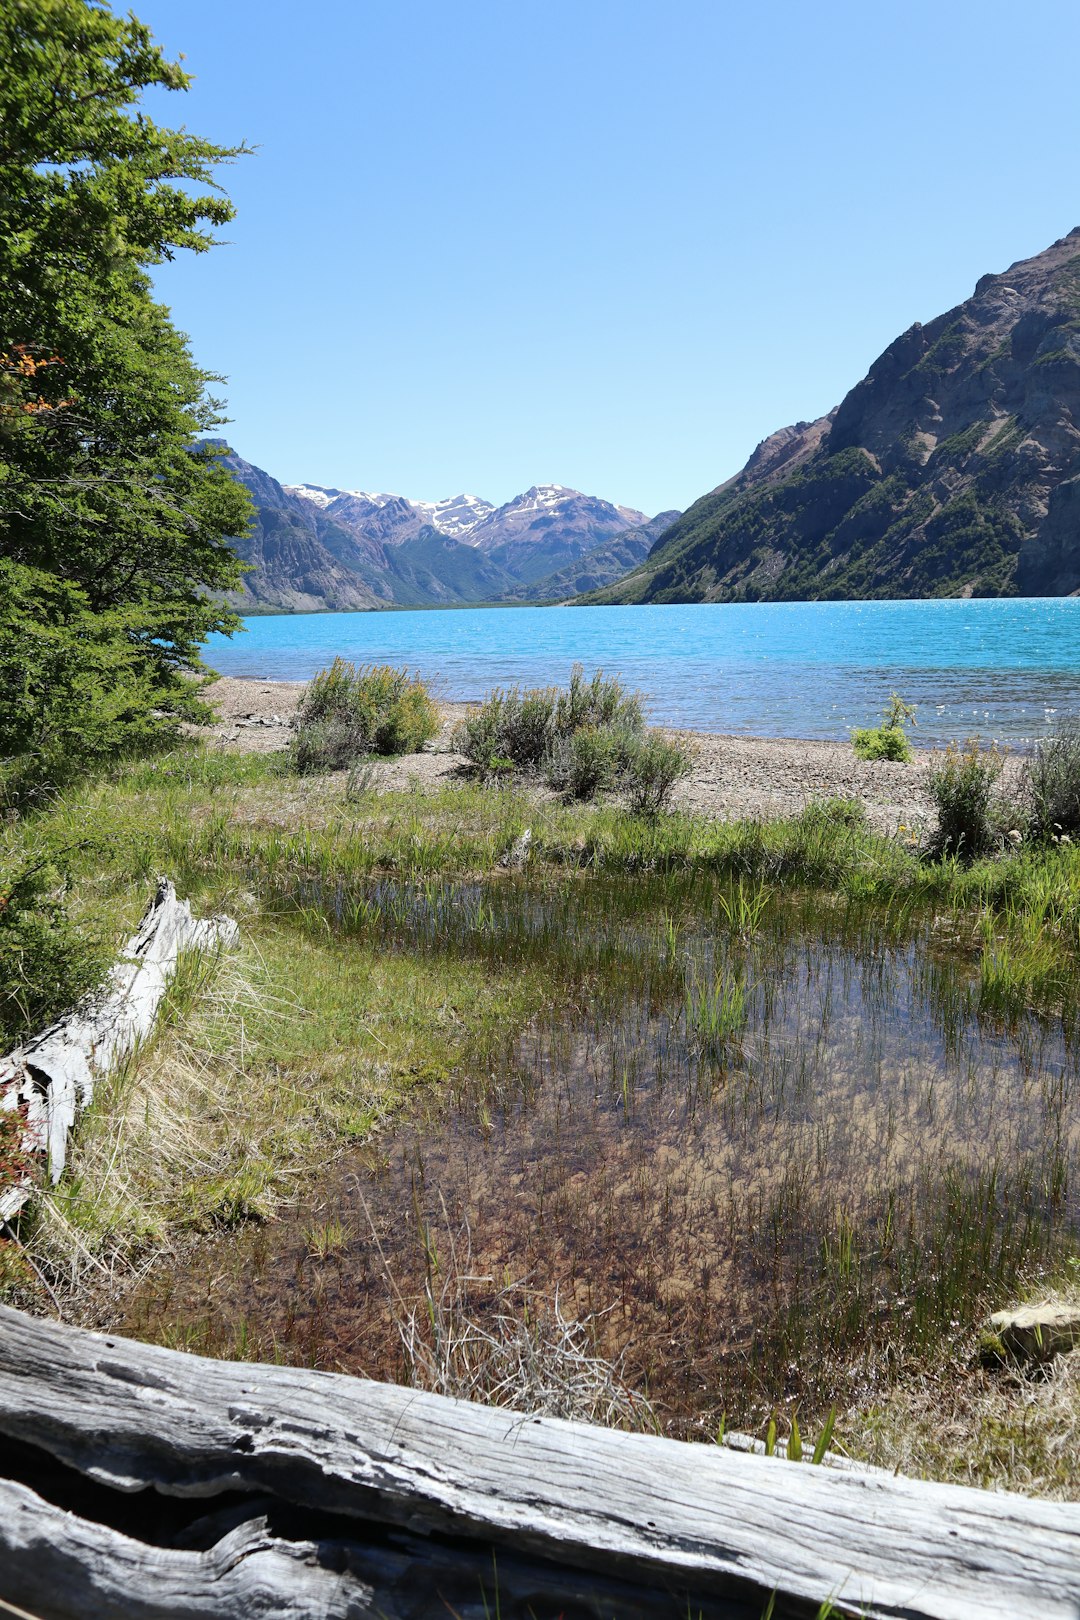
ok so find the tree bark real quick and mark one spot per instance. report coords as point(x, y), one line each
point(53, 1075)
point(210, 1488)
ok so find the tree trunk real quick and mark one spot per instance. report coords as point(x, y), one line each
point(53, 1075)
point(197, 1488)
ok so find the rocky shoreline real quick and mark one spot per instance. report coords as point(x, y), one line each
point(733, 776)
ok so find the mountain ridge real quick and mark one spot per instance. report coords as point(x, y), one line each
point(951, 468)
point(321, 548)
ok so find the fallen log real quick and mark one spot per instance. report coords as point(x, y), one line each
point(52, 1076)
point(146, 1482)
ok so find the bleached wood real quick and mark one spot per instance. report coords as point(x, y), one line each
point(52, 1076)
point(57, 1564)
point(659, 1513)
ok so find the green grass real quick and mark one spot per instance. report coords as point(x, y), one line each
point(389, 962)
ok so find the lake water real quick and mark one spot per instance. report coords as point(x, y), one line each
point(1007, 669)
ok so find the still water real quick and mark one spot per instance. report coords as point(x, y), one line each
point(1007, 669)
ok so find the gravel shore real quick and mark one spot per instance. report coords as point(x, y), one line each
point(732, 776)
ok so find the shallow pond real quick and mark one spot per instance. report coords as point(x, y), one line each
point(766, 1144)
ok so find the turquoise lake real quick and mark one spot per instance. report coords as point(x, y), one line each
point(1006, 669)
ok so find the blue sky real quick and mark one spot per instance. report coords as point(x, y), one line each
point(608, 243)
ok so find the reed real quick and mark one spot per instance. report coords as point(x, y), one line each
point(778, 1110)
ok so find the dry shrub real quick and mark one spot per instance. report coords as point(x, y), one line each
point(507, 1346)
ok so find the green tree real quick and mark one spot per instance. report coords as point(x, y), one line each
point(114, 522)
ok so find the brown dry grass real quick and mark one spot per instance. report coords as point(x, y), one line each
point(1001, 1428)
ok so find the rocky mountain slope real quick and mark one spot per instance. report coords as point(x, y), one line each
point(603, 565)
point(953, 468)
point(547, 527)
point(294, 570)
point(314, 547)
point(308, 557)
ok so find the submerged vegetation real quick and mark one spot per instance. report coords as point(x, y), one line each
point(760, 1116)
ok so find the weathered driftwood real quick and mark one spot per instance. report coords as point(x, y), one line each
point(208, 1488)
point(53, 1075)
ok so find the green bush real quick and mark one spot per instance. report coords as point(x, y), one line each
point(587, 738)
point(588, 762)
point(889, 740)
point(46, 964)
point(835, 812)
point(963, 790)
point(511, 728)
point(532, 729)
point(597, 703)
point(1052, 783)
point(346, 713)
point(654, 767)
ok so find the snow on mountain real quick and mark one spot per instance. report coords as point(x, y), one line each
point(323, 497)
point(457, 515)
point(547, 526)
point(536, 532)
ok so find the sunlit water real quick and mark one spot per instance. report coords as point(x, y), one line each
point(1004, 668)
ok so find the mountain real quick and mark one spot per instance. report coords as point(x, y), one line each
point(350, 551)
point(294, 571)
point(951, 469)
point(605, 564)
point(315, 547)
point(434, 569)
point(392, 517)
point(547, 527)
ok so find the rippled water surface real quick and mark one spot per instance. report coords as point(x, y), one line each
point(802, 669)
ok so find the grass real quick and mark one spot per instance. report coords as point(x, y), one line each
point(787, 1096)
point(284, 1056)
point(958, 1421)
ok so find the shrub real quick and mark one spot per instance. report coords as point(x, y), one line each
point(512, 728)
point(532, 729)
point(348, 712)
point(889, 740)
point(46, 964)
point(835, 812)
point(1052, 782)
point(597, 703)
point(963, 789)
point(583, 739)
point(654, 767)
point(587, 762)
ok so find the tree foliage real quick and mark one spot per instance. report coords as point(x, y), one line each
point(114, 523)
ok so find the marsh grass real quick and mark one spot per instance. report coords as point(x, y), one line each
point(778, 1109)
point(953, 1419)
point(765, 1202)
point(504, 1343)
point(261, 1066)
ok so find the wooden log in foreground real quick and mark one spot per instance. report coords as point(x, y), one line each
point(143, 1482)
point(53, 1075)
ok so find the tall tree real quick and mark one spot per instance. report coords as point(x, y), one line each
point(114, 524)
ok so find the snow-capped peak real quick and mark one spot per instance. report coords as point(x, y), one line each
point(319, 495)
point(457, 515)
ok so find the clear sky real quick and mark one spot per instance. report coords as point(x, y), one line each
point(604, 243)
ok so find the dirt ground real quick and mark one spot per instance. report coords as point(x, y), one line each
point(732, 776)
